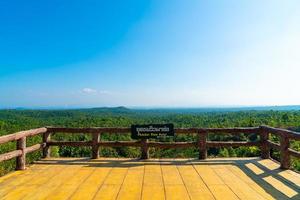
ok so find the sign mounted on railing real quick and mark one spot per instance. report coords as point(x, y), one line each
point(152, 131)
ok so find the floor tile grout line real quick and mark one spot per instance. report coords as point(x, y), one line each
point(122, 183)
point(232, 182)
point(99, 188)
point(276, 175)
point(225, 183)
point(82, 182)
point(163, 181)
point(262, 181)
point(10, 176)
point(60, 172)
point(235, 175)
point(27, 174)
point(182, 180)
point(141, 196)
point(203, 180)
point(52, 178)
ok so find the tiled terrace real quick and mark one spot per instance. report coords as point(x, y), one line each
point(111, 178)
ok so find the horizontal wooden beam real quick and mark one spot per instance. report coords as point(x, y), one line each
point(34, 148)
point(232, 130)
point(165, 145)
point(294, 153)
point(109, 130)
point(88, 130)
point(273, 145)
point(70, 143)
point(279, 131)
point(10, 155)
point(152, 144)
point(119, 143)
point(101, 143)
point(177, 130)
point(186, 130)
point(21, 134)
point(230, 144)
point(201, 143)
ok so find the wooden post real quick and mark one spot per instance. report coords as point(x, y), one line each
point(145, 149)
point(95, 146)
point(284, 154)
point(265, 149)
point(46, 148)
point(202, 137)
point(21, 160)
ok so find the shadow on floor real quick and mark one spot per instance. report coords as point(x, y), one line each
point(268, 178)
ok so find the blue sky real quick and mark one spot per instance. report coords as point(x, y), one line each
point(149, 53)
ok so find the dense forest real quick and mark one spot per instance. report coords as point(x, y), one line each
point(13, 120)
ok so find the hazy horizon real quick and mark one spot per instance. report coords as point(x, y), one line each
point(149, 53)
point(276, 107)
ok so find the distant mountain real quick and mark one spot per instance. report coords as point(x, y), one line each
point(223, 109)
point(125, 110)
point(113, 110)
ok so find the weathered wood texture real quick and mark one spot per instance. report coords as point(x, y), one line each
point(21, 134)
point(177, 130)
point(144, 149)
point(202, 137)
point(230, 144)
point(202, 143)
point(10, 155)
point(88, 130)
point(34, 147)
point(265, 148)
point(284, 137)
point(21, 160)
point(278, 131)
point(120, 143)
point(284, 152)
point(70, 143)
point(231, 130)
point(273, 145)
point(95, 146)
point(167, 145)
point(46, 148)
point(153, 144)
point(294, 153)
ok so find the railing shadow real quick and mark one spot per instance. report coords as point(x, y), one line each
point(278, 186)
point(275, 187)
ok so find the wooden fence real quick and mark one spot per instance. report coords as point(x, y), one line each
point(202, 142)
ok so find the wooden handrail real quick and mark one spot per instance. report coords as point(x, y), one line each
point(202, 142)
point(22, 150)
point(10, 155)
point(21, 134)
point(177, 130)
point(284, 138)
point(279, 131)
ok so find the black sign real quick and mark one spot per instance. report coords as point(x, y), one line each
point(151, 131)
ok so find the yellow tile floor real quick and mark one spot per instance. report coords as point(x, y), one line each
point(112, 178)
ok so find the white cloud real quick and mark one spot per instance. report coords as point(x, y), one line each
point(89, 91)
point(94, 91)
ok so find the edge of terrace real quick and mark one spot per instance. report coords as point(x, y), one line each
point(202, 142)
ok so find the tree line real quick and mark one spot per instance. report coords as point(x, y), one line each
point(16, 120)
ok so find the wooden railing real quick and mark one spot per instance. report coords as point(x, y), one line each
point(21, 150)
point(202, 142)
